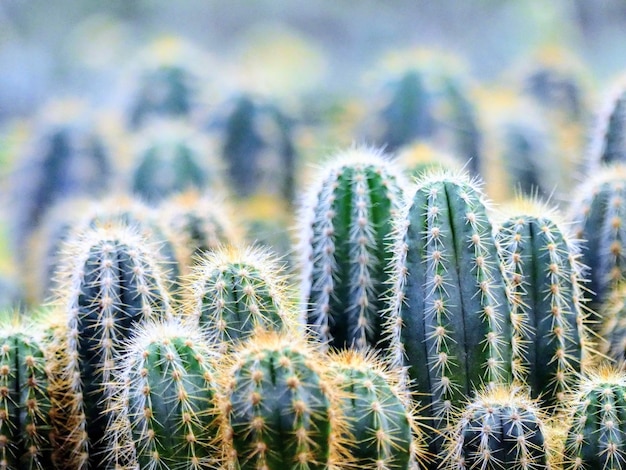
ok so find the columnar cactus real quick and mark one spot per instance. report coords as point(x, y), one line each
point(609, 138)
point(24, 400)
point(501, 428)
point(165, 415)
point(110, 281)
point(542, 264)
point(345, 226)
point(281, 411)
point(613, 325)
point(381, 422)
point(597, 434)
point(449, 320)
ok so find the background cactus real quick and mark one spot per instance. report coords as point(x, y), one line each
point(421, 157)
point(345, 225)
point(613, 325)
point(109, 282)
point(542, 263)
point(608, 143)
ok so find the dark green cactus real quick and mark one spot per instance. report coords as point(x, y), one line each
point(543, 267)
point(281, 410)
point(597, 434)
point(166, 415)
point(449, 320)
point(501, 429)
point(345, 227)
point(109, 282)
point(24, 399)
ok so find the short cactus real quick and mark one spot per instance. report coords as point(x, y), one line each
point(500, 429)
point(597, 434)
point(345, 226)
point(281, 412)
point(543, 267)
point(166, 415)
point(110, 281)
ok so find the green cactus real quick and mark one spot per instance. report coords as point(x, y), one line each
point(109, 282)
point(449, 320)
point(608, 145)
point(281, 410)
point(613, 325)
point(381, 421)
point(233, 293)
point(501, 428)
point(543, 267)
point(597, 434)
point(165, 415)
point(24, 399)
point(345, 226)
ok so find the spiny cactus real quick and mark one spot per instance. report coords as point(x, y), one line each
point(280, 409)
point(165, 414)
point(543, 267)
point(109, 282)
point(608, 143)
point(345, 226)
point(501, 428)
point(449, 320)
point(233, 293)
point(381, 421)
point(599, 215)
point(597, 434)
point(24, 400)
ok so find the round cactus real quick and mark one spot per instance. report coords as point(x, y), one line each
point(501, 428)
point(542, 264)
point(345, 227)
point(281, 411)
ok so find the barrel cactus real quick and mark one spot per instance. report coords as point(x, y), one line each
point(543, 267)
point(346, 221)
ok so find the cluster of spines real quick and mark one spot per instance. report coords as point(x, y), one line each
point(346, 223)
point(233, 293)
point(110, 281)
point(449, 322)
point(542, 264)
point(166, 411)
point(597, 435)
point(279, 407)
point(502, 428)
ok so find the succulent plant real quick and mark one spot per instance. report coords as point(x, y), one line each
point(608, 145)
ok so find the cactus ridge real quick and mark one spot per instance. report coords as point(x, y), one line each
point(346, 222)
point(543, 266)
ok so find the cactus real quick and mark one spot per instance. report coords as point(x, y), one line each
point(613, 325)
point(24, 401)
point(608, 145)
point(599, 213)
point(233, 293)
point(449, 321)
point(381, 421)
point(345, 223)
point(543, 267)
point(165, 415)
point(110, 281)
point(502, 428)
point(422, 157)
point(596, 436)
point(281, 411)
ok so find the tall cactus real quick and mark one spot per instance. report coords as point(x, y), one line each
point(542, 263)
point(109, 282)
point(345, 226)
point(608, 145)
point(233, 293)
point(449, 320)
point(281, 410)
point(597, 435)
point(165, 415)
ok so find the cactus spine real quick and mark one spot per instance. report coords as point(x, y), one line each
point(500, 429)
point(542, 264)
point(281, 412)
point(166, 413)
point(345, 225)
point(597, 434)
point(449, 321)
point(110, 281)
point(233, 293)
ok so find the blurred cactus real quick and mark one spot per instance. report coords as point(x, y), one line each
point(110, 280)
point(612, 328)
point(608, 143)
point(422, 157)
point(345, 222)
